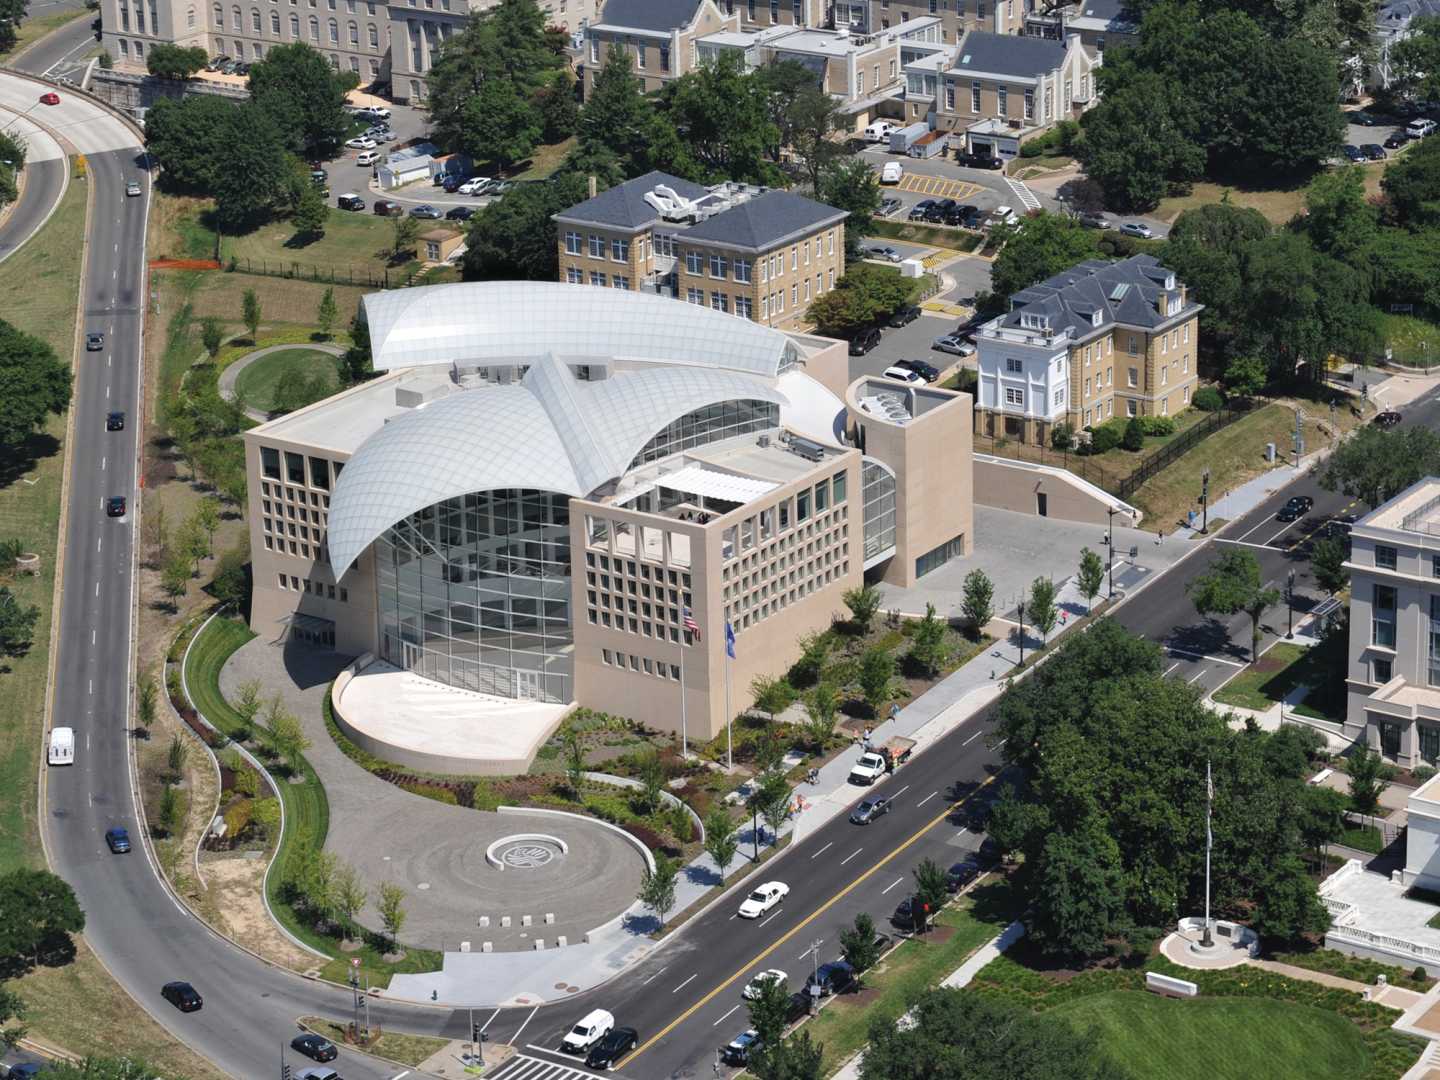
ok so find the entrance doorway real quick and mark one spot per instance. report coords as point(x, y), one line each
point(1041, 504)
point(527, 685)
point(409, 655)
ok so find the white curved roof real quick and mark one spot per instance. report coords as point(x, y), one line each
point(491, 322)
point(549, 432)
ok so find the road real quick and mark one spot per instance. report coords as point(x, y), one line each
point(60, 53)
point(42, 179)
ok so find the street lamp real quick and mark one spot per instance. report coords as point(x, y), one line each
point(1020, 611)
point(1205, 502)
point(1110, 542)
point(1290, 606)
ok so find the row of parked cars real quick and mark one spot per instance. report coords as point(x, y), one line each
point(226, 65)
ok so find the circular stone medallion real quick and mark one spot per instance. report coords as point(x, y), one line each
point(528, 855)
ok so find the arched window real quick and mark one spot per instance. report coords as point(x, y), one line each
point(239, 49)
point(235, 16)
point(275, 23)
point(334, 32)
point(190, 16)
point(374, 36)
point(415, 90)
point(355, 34)
point(255, 19)
point(334, 61)
point(295, 27)
point(314, 28)
point(219, 17)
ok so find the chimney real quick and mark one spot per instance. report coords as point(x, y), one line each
point(591, 186)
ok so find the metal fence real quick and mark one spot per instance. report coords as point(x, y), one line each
point(330, 275)
point(1171, 451)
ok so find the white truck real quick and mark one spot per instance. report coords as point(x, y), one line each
point(593, 1027)
point(868, 769)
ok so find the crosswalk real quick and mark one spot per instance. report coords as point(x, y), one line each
point(939, 187)
point(525, 1067)
point(1024, 194)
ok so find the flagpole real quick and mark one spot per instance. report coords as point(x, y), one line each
point(1209, 842)
point(729, 715)
point(684, 732)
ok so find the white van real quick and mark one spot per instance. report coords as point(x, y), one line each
point(1419, 129)
point(879, 131)
point(62, 746)
point(593, 1027)
point(892, 172)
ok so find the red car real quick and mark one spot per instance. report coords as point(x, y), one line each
point(51, 98)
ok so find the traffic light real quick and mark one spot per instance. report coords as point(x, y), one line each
point(475, 1031)
point(285, 1073)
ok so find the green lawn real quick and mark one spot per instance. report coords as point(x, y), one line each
point(258, 382)
point(1414, 340)
point(1363, 838)
point(1360, 968)
point(353, 243)
point(934, 235)
point(1267, 681)
point(1219, 1039)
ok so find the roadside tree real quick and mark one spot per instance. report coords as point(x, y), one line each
point(37, 910)
point(927, 643)
point(1041, 247)
point(978, 604)
point(720, 842)
point(1233, 584)
point(1327, 563)
point(1091, 576)
point(860, 944)
point(34, 384)
point(1041, 608)
point(657, 886)
point(17, 624)
point(390, 903)
point(876, 678)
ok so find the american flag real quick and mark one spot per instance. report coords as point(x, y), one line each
point(691, 624)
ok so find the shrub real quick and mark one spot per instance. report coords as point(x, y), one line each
point(438, 792)
point(1157, 425)
point(1104, 438)
point(1420, 972)
point(1422, 773)
point(648, 836)
point(1134, 437)
point(1208, 399)
point(1062, 436)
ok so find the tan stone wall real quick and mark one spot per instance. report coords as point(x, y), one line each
point(634, 268)
point(799, 285)
point(1011, 486)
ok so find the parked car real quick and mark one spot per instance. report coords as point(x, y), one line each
point(367, 157)
point(1387, 419)
point(832, 978)
point(115, 506)
point(888, 206)
point(426, 211)
point(115, 421)
point(904, 914)
point(1138, 229)
point(738, 1050)
point(762, 898)
point(361, 142)
point(1352, 152)
point(591, 1028)
point(217, 63)
point(904, 375)
point(132, 188)
point(756, 986)
point(928, 372)
point(350, 201)
point(614, 1046)
point(1373, 151)
point(1362, 118)
point(920, 209)
point(318, 177)
point(22, 1071)
point(954, 344)
point(1419, 128)
point(867, 810)
point(318, 1072)
point(883, 251)
point(904, 316)
point(476, 185)
point(937, 212)
point(1003, 215)
point(1092, 220)
point(182, 995)
point(892, 172)
point(388, 208)
point(962, 873)
point(871, 766)
point(1395, 141)
point(975, 219)
point(498, 187)
point(377, 112)
point(864, 341)
point(94, 342)
point(315, 1047)
point(980, 161)
point(460, 213)
point(957, 215)
point(117, 839)
point(1295, 508)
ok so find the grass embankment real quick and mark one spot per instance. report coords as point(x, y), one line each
point(392, 1045)
point(351, 242)
point(1278, 206)
point(842, 1026)
point(952, 239)
point(307, 816)
point(1359, 968)
point(1282, 669)
point(78, 1006)
point(1414, 340)
point(258, 382)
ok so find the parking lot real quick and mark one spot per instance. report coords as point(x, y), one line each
point(910, 342)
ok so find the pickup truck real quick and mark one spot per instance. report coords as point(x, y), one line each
point(874, 764)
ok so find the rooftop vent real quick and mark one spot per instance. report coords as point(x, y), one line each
point(809, 450)
point(1117, 293)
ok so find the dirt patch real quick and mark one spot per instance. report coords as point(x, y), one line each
point(862, 998)
point(939, 934)
point(233, 886)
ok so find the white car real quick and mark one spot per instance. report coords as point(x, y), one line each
point(367, 157)
point(904, 375)
point(1419, 129)
point(361, 142)
point(870, 767)
point(892, 172)
point(476, 185)
point(763, 899)
point(132, 188)
point(1137, 228)
point(592, 1027)
point(756, 986)
point(379, 112)
point(1004, 215)
point(954, 344)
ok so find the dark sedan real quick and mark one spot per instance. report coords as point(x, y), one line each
point(868, 810)
point(115, 506)
point(614, 1046)
point(115, 421)
point(980, 161)
point(118, 839)
point(920, 209)
point(1395, 141)
point(961, 874)
point(905, 316)
point(1373, 151)
point(1296, 508)
point(460, 213)
point(315, 1047)
point(928, 372)
point(182, 995)
point(1353, 153)
point(1387, 419)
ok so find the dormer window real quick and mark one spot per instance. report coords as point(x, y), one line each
point(1095, 318)
point(1031, 321)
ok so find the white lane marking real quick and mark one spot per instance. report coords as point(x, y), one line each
point(824, 849)
point(961, 833)
point(1245, 543)
point(92, 686)
point(400, 1075)
point(971, 739)
point(516, 1037)
point(727, 1016)
point(808, 951)
point(899, 793)
point(1204, 656)
point(103, 460)
point(489, 1022)
point(97, 543)
point(851, 855)
point(926, 799)
point(778, 912)
point(97, 588)
point(662, 971)
point(117, 246)
point(1172, 667)
point(1196, 676)
point(1267, 520)
point(686, 983)
point(92, 637)
point(892, 884)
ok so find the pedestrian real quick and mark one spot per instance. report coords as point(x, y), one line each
point(866, 740)
point(1159, 535)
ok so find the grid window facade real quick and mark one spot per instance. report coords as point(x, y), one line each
point(710, 424)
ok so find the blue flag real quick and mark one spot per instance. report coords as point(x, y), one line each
point(729, 640)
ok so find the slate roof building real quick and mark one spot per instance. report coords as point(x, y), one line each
point(1100, 340)
point(750, 251)
point(658, 36)
point(547, 485)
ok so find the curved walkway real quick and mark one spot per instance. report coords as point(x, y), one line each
point(231, 375)
point(437, 851)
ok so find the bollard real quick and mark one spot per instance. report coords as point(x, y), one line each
point(486, 946)
point(524, 920)
point(549, 917)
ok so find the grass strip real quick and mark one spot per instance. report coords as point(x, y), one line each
point(391, 1045)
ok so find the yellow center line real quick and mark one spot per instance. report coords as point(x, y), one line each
point(802, 924)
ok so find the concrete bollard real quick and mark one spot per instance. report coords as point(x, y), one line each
point(549, 917)
point(504, 920)
point(484, 921)
point(539, 943)
point(561, 941)
point(464, 946)
point(524, 920)
point(486, 946)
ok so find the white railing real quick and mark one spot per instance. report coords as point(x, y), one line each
point(1388, 942)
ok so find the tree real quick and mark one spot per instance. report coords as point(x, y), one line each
point(349, 897)
point(1322, 820)
point(1412, 186)
point(1079, 894)
point(808, 126)
point(295, 86)
point(657, 886)
point(515, 237)
point(978, 603)
point(720, 112)
point(573, 751)
point(652, 780)
point(175, 577)
point(172, 810)
point(851, 185)
point(1415, 60)
point(559, 114)
point(770, 1011)
point(1375, 465)
point(1062, 436)
point(770, 799)
point(862, 297)
point(1233, 584)
point(212, 335)
point(176, 754)
point(1135, 146)
point(12, 1007)
point(1288, 907)
point(390, 903)
point(288, 739)
point(145, 704)
point(1041, 608)
point(876, 678)
point(1245, 376)
point(616, 117)
point(256, 177)
point(821, 703)
point(720, 841)
point(960, 1035)
point(931, 886)
point(189, 138)
point(795, 1058)
point(927, 643)
point(1339, 218)
point(207, 516)
point(12, 12)
point(310, 214)
point(1134, 437)
point(325, 313)
point(231, 583)
point(17, 624)
point(1041, 247)
point(1369, 777)
point(175, 61)
point(1291, 115)
point(863, 602)
point(36, 909)
point(1091, 576)
point(814, 650)
point(265, 815)
point(771, 696)
point(403, 233)
point(34, 384)
point(193, 543)
point(499, 126)
point(1327, 563)
point(859, 943)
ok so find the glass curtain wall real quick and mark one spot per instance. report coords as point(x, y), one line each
point(723, 420)
point(475, 592)
point(879, 485)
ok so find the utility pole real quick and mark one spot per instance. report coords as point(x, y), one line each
point(355, 992)
point(1205, 502)
point(1020, 610)
point(1110, 543)
point(1207, 941)
point(1290, 607)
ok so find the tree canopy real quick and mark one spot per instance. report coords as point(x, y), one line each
point(34, 384)
point(862, 296)
point(1375, 465)
point(303, 96)
point(175, 61)
point(1040, 247)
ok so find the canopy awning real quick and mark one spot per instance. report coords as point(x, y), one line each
point(697, 480)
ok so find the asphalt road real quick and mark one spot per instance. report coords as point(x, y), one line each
point(43, 182)
point(59, 54)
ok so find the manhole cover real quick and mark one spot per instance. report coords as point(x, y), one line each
point(423, 885)
point(528, 855)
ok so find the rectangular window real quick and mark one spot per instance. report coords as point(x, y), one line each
point(719, 301)
point(1014, 396)
point(597, 246)
point(1385, 556)
point(695, 296)
point(620, 250)
point(949, 97)
point(597, 278)
point(1382, 617)
point(1434, 674)
point(1013, 365)
point(719, 267)
point(270, 462)
point(974, 97)
point(692, 262)
point(1002, 100)
point(742, 271)
point(1134, 376)
point(802, 505)
point(574, 276)
point(295, 467)
point(1429, 742)
point(664, 57)
point(744, 307)
point(572, 243)
point(320, 473)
